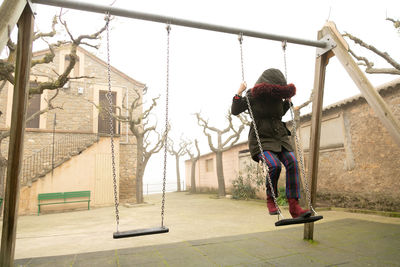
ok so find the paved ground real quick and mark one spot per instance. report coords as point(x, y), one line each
point(204, 231)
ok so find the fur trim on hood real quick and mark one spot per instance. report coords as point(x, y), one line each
point(273, 90)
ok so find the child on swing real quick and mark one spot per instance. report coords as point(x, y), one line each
point(269, 101)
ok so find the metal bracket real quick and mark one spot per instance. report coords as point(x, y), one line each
point(330, 44)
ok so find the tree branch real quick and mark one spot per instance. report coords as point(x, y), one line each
point(146, 113)
point(189, 152)
point(373, 49)
point(370, 66)
point(81, 77)
point(52, 33)
point(181, 148)
point(157, 147)
point(203, 123)
point(244, 119)
point(230, 126)
point(63, 78)
point(6, 70)
point(306, 103)
point(235, 136)
point(396, 23)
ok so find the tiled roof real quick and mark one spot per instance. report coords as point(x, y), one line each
point(381, 88)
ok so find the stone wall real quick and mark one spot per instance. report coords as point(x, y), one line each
point(373, 181)
point(34, 141)
point(76, 113)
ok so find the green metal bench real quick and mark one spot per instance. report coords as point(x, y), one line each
point(64, 197)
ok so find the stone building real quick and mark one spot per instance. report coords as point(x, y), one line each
point(79, 132)
point(359, 162)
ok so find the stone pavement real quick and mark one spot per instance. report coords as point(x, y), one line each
point(205, 231)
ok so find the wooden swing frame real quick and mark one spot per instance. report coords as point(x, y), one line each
point(330, 43)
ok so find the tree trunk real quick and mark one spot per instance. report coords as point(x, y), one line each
point(139, 185)
point(193, 177)
point(139, 170)
point(178, 175)
point(220, 175)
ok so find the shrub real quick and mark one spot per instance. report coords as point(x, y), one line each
point(242, 189)
point(282, 201)
point(246, 185)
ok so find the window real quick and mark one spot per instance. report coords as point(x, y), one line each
point(103, 119)
point(75, 70)
point(33, 106)
point(209, 165)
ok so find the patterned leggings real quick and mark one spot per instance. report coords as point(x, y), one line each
point(274, 160)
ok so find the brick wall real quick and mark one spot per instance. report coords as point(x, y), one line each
point(76, 113)
point(127, 169)
point(374, 181)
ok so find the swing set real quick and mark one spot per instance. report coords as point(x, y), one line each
point(330, 43)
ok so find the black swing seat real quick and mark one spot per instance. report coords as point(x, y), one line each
point(139, 232)
point(298, 220)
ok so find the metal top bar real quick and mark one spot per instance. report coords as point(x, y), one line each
point(175, 21)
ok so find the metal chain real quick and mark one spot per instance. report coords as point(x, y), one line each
point(265, 166)
point(168, 28)
point(240, 38)
point(300, 150)
point(294, 131)
point(111, 124)
point(284, 45)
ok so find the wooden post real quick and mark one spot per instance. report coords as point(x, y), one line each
point(373, 98)
point(340, 50)
point(15, 151)
point(316, 117)
point(10, 11)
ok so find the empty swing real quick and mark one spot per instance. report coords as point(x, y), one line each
point(145, 231)
point(283, 221)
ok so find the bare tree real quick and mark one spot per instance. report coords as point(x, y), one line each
point(221, 146)
point(148, 140)
point(369, 65)
point(193, 160)
point(177, 152)
point(56, 80)
point(7, 66)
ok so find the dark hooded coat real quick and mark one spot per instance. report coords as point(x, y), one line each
point(268, 104)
